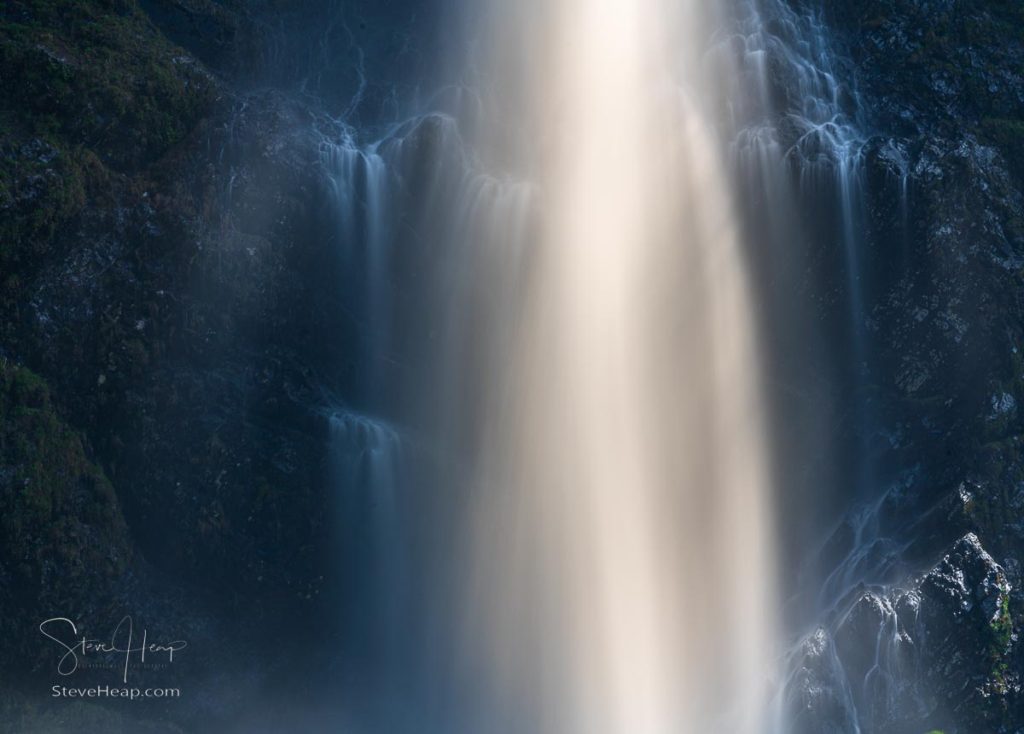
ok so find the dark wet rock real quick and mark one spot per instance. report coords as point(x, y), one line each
point(165, 277)
point(971, 652)
point(942, 91)
point(818, 698)
point(946, 228)
point(63, 538)
point(942, 654)
point(198, 391)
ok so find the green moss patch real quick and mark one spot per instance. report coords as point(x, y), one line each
point(88, 89)
point(96, 73)
point(61, 528)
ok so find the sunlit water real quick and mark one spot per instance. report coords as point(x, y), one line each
point(622, 473)
point(586, 364)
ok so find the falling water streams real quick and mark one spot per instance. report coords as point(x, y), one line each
point(586, 352)
point(625, 466)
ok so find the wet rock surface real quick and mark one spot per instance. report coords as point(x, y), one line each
point(163, 269)
point(934, 645)
point(940, 654)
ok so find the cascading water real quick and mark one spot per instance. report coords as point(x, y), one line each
point(360, 186)
point(800, 156)
point(417, 226)
point(367, 462)
point(623, 471)
point(582, 351)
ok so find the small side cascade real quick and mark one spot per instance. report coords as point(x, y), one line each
point(372, 557)
point(818, 682)
point(796, 106)
point(861, 671)
point(414, 204)
point(422, 235)
point(361, 189)
point(800, 151)
point(367, 462)
point(869, 556)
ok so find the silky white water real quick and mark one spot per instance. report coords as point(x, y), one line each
point(557, 284)
point(623, 539)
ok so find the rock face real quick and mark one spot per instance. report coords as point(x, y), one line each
point(946, 255)
point(162, 362)
point(62, 534)
point(945, 241)
point(941, 84)
point(941, 654)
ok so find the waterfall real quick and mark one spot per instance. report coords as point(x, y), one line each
point(624, 569)
point(367, 461)
point(417, 226)
point(800, 153)
point(805, 115)
point(799, 156)
point(586, 538)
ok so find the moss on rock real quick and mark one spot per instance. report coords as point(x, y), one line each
point(62, 535)
point(95, 73)
point(88, 90)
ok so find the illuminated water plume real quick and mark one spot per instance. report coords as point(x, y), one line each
point(624, 567)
